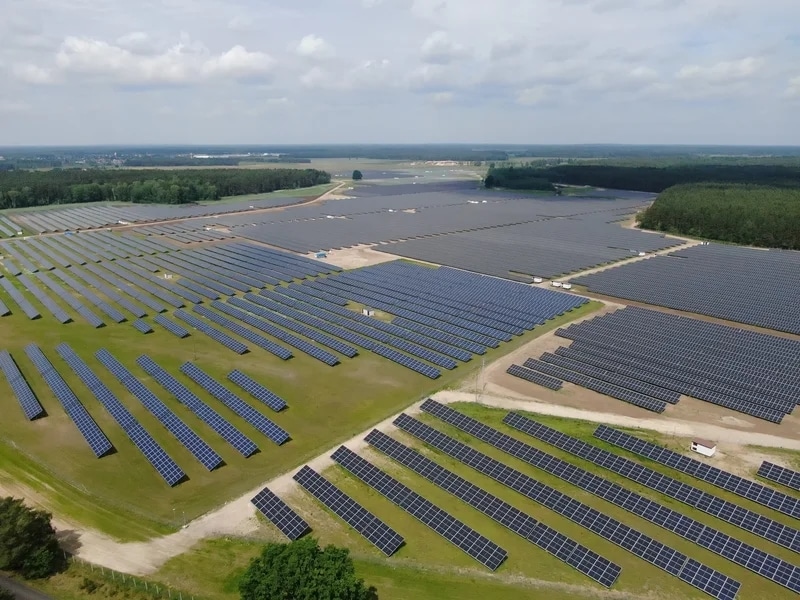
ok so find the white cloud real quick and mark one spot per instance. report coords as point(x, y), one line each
point(238, 62)
point(314, 47)
point(33, 74)
point(793, 88)
point(722, 72)
point(443, 97)
point(506, 47)
point(439, 49)
point(533, 96)
point(11, 107)
point(136, 41)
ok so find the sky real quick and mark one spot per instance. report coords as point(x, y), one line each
point(77, 72)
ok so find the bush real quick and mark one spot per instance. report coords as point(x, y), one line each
point(28, 543)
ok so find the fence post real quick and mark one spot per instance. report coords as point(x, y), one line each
point(113, 577)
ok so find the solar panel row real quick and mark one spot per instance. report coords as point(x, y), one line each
point(151, 449)
point(191, 441)
point(76, 411)
point(779, 474)
point(244, 445)
point(257, 391)
point(84, 292)
point(236, 404)
point(279, 513)
point(715, 541)
point(740, 486)
point(214, 334)
point(729, 512)
point(25, 396)
point(21, 301)
point(454, 531)
point(167, 292)
point(142, 326)
point(386, 539)
point(560, 546)
point(639, 544)
point(124, 287)
point(171, 326)
point(58, 312)
point(251, 336)
point(527, 374)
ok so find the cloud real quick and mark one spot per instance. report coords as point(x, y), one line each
point(314, 47)
point(793, 88)
point(534, 96)
point(33, 74)
point(12, 107)
point(506, 47)
point(721, 72)
point(439, 49)
point(238, 62)
point(442, 97)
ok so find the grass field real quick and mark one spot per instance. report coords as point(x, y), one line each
point(429, 567)
point(121, 494)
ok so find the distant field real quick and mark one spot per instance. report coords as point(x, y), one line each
point(308, 192)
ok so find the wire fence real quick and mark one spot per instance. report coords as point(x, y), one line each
point(130, 582)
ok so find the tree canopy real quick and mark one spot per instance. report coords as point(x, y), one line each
point(517, 178)
point(742, 214)
point(28, 543)
point(301, 570)
point(357, 175)
point(6, 594)
point(169, 186)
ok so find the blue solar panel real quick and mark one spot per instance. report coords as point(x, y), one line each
point(89, 295)
point(236, 404)
point(21, 301)
point(151, 449)
point(279, 513)
point(58, 312)
point(91, 432)
point(251, 336)
point(158, 287)
point(121, 285)
point(200, 449)
point(214, 334)
point(257, 391)
point(171, 326)
point(142, 326)
point(25, 396)
point(208, 415)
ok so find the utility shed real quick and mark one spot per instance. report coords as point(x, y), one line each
point(704, 447)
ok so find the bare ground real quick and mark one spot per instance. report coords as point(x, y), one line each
point(356, 257)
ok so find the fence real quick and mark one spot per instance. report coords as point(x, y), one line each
point(130, 582)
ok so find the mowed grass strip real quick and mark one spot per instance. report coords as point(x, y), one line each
point(326, 405)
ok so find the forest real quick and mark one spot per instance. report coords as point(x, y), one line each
point(38, 188)
point(742, 214)
point(517, 178)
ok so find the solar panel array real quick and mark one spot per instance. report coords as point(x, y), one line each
point(529, 375)
point(132, 292)
point(729, 512)
point(191, 441)
point(597, 385)
point(454, 531)
point(746, 285)
point(25, 396)
point(171, 326)
point(729, 482)
point(214, 334)
point(715, 541)
point(673, 562)
point(76, 411)
point(58, 312)
point(236, 404)
point(89, 295)
point(244, 445)
point(279, 513)
point(742, 370)
point(778, 474)
point(73, 302)
point(152, 451)
point(257, 391)
point(581, 558)
point(378, 533)
point(21, 300)
point(242, 331)
point(142, 326)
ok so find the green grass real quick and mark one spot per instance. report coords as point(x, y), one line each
point(307, 192)
point(121, 494)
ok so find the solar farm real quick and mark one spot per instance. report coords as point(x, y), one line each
point(159, 364)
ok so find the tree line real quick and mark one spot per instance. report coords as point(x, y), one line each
point(63, 186)
point(648, 178)
point(517, 178)
point(743, 214)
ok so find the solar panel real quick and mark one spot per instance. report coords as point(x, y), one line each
point(89, 295)
point(171, 326)
point(535, 377)
point(25, 396)
point(279, 513)
point(236, 404)
point(121, 285)
point(242, 331)
point(454, 531)
point(91, 432)
point(151, 449)
point(214, 334)
point(740, 486)
point(598, 568)
point(707, 537)
point(748, 520)
point(386, 539)
point(142, 326)
point(21, 300)
point(639, 544)
point(58, 312)
point(208, 415)
point(779, 474)
point(257, 391)
point(201, 450)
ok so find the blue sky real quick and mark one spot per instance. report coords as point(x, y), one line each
point(400, 71)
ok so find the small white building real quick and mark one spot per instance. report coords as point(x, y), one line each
point(704, 447)
point(367, 312)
